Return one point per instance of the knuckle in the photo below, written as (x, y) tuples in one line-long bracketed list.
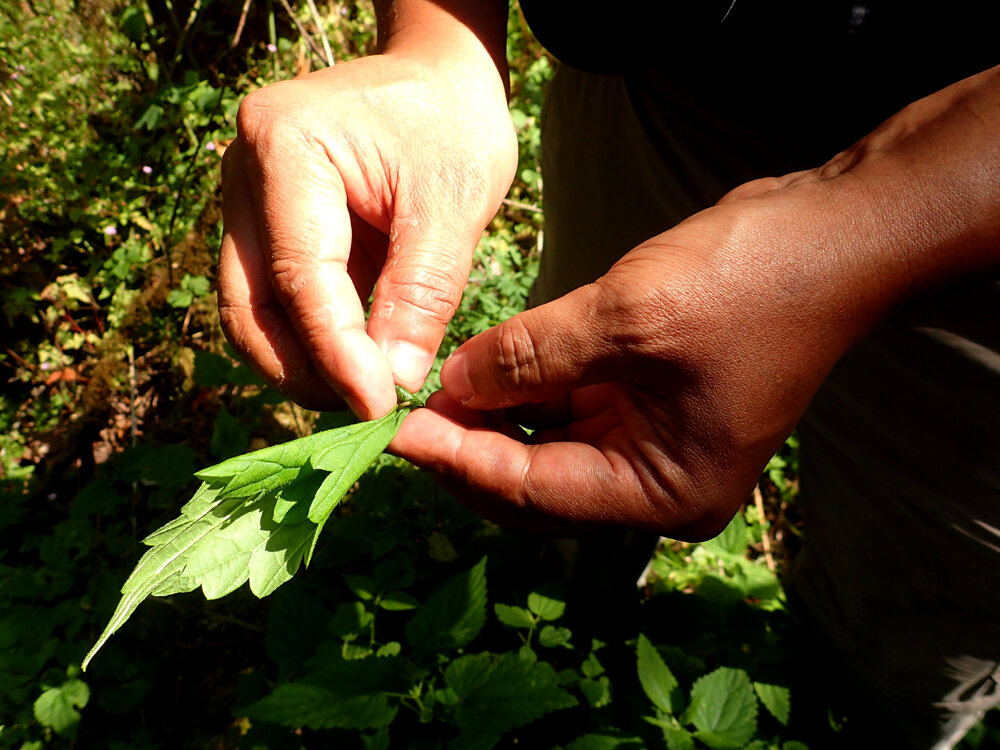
[(264, 112), (432, 292), (233, 321), (289, 274), (514, 353), (253, 113)]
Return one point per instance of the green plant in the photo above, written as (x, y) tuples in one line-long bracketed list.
[(255, 517)]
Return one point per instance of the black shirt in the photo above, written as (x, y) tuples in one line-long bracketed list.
[(835, 68)]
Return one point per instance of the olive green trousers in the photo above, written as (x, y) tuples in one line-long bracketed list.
[(900, 456)]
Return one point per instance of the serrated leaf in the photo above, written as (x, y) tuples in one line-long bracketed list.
[(349, 459), (675, 736), (247, 521), (597, 692), (776, 699), (299, 704), (348, 694), (723, 709), (514, 617), (160, 568), (551, 636), (546, 607), (591, 666), (453, 614), (496, 694), (657, 681), (732, 541)]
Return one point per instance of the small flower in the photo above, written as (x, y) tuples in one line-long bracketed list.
[(53, 496), (14, 76), (111, 230), (210, 146), (272, 48), (45, 365), (21, 68), (146, 169)]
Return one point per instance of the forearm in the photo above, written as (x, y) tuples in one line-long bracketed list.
[(448, 33), (930, 177)]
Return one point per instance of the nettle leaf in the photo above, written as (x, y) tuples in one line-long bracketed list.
[(723, 709), (453, 614), (298, 704), (597, 692), (498, 693), (657, 681), (514, 617), (776, 699), (342, 693), (546, 607), (732, 541), (675, 736), (551, 636), (256, 517), (349, 457)]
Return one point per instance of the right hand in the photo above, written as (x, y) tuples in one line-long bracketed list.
[(380, 173)]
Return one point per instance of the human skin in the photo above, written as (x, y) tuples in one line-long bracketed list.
[(657, 394), (386, 169)]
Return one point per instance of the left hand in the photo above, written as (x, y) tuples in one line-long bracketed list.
[(658, 393)]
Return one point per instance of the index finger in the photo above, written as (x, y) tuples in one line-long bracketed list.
[(572, 483), (305, 226)]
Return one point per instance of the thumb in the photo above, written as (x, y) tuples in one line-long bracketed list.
[(417, 294), (537, 355)]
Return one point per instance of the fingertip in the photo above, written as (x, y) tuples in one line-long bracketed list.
[(373, 404), (443, 403), (455, 377), (409, 364)]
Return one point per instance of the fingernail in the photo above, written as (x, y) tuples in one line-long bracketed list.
[(455, 378), (409, 363)]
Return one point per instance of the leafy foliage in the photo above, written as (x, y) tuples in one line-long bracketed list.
[(255, 517), (118, 386)]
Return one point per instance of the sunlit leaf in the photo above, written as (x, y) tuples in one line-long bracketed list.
[(249, 521)]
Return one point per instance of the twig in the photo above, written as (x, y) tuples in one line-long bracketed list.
[(133, 395), (758, 500), (522, 206), (241, 24), (302, 30), (322, 32), (272, 37), (192, 19)]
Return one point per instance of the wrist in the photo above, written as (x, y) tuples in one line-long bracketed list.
[(456, 38), (930, 184)]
